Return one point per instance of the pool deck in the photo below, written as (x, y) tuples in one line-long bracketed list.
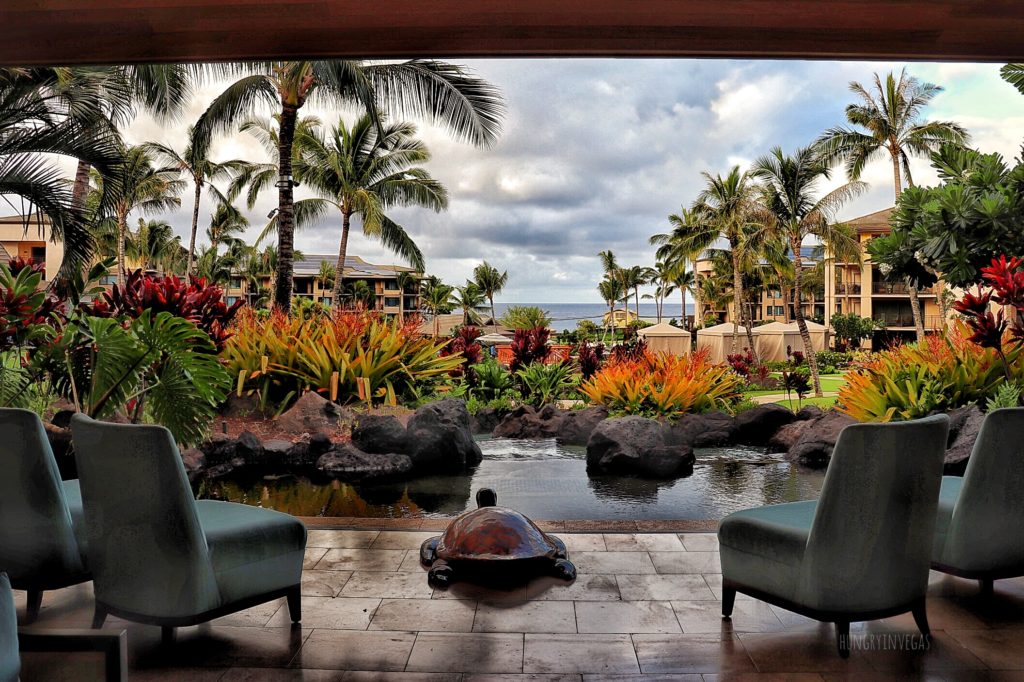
[(644, 607)]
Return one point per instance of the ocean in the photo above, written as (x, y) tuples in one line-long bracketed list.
[(566, 315)]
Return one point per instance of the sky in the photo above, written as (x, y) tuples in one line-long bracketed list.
[(596, 153)]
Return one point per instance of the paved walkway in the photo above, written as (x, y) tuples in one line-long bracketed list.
[(644, 607), (776, 397)]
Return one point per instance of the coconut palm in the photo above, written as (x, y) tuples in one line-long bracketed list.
[(471, 300), (490, 282), (676, 251), (724, 210), (443, 93), (328, 276), (438, 299), (195, 162), (610, 289), (136, 185), (43, 115), (890, 112), (793, 212), (225, 223), (154, 246), (364, 170)]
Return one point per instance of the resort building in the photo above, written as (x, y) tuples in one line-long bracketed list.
[(28, 237), (774, 304), (860, 288), (394, 289)]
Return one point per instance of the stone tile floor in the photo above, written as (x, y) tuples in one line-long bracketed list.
[(644, 607)]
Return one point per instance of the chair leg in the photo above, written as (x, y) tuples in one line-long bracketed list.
[(167, 635), (35, 602), (843, 639), (987, 586), (295, 603), (921, 618), (728, 600), (98, 616)]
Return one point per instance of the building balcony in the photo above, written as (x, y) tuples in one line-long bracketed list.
[(906, 321), (897, 289), (847, 289)]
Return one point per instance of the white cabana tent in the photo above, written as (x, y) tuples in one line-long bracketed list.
[(718, 340), (773, 339), (493, 340), (664, 338)]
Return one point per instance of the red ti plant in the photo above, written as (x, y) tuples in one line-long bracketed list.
[(464, 341), (589, 358), (196, 301), (529, 346), (1005, 278)]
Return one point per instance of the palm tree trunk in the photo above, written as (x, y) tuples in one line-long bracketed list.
[(340, 267), (915, 309), (195, 227), (285, 212), (737, 295), (81, 187), (798, 313), (682, 308), (122, 231), (494, 320), (636, 295)]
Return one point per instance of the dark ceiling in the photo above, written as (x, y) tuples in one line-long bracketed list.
[(114, 31)]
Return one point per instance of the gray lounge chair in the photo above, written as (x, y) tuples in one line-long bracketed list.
[(860, 552), (13, 640), (979, 532), (157, 555), (42, 534)]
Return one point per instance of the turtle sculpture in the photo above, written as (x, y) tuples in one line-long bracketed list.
[(494, 544)]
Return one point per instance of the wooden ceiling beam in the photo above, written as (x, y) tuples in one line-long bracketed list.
[(51, 32)]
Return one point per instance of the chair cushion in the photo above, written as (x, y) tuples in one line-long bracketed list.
[(948, 494), (252, 550), (762, 548), (73, 495)]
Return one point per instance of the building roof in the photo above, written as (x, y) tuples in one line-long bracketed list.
[(662, 329), (355, 267), (873, 222)]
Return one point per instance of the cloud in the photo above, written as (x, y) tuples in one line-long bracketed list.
[(596, 153)]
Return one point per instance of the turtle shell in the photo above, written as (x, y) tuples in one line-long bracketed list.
[(492, 533)]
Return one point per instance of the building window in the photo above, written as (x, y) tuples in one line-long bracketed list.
[(326, 300), (232, 300), (391, 285), (779, 311), (108, 279), (236, 283), (392, 302)]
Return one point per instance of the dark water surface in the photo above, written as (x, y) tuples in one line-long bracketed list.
[(544, 480)]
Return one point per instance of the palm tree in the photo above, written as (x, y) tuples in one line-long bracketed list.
[(364, 170), (196, 163), (611, 291), (490, 282), (444, 93), (891, 114), (684, 281), (154, 246), (437, 298), (137, 185), (43, 114), (724, 210), (633, 278), (225, 223), (470, 299), (406, 281), (328, 276), (792, 213)]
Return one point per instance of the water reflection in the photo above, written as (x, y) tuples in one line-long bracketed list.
[(546, 481)]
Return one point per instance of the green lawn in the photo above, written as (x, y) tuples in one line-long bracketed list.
[(830, 383), (823, 403)]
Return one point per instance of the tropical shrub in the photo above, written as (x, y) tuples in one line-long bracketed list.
[(529, 346), (1007, 395), (741, 363), (351, 355), (24, 307), (544, 384), (635, 349), (493, 382), (589, 357), (463, 342), (850, 328), (526, 317), (837, 359), (196, 301), (661, 385), (941, 373)]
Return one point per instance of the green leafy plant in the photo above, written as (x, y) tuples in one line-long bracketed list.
[(494, 382), (850, 328), (544, 384), (526, 317), (1007, 395)]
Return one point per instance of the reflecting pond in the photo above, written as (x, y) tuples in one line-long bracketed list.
[(544, 480)]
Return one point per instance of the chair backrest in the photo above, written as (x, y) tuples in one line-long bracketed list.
[(147, 550), (988, 518), (870, 543), (37, 540), (10, 663)]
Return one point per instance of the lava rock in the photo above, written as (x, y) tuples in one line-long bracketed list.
[(225, 468), (249, 448), (637, 446), (440, 436), (577, 426), (345, 461), (194, 461), (787, 436), (818, 440), (312, 412), (239, 406), (710, 429), (379, 434), (527, 422), (219, 448), (809, 412), (757, 425), (965, 424), (487, 419)]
